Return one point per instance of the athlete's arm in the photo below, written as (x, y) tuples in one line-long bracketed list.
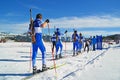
[(45, 23)]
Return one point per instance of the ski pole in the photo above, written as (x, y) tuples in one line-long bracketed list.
[(54, 28), (65, 39), (31, 46), (52, 53), (30, 59)]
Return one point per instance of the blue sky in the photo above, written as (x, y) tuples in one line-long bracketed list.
[(90, 17)]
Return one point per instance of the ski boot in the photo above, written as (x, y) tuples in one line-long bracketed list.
[(56, 56), (44, 68), (77, 53), (34, 70), (60, 56), (73, 53)]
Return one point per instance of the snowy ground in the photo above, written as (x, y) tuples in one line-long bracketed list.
[(95, 65)]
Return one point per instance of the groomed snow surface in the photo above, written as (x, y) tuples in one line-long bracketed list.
[(103, 64)]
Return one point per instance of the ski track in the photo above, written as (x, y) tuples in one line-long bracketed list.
[(17, 55), (80, 62)]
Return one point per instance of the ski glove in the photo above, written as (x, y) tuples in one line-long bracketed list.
[(47, 20), (65, 31)]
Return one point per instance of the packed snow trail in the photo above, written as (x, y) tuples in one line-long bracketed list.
[(74, 64), (89, 62), (50, 68), (15, 58)]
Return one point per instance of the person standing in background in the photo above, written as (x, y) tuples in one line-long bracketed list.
[(75, 38), (80, 42), (59, 44), (53, 39), (94, 42)]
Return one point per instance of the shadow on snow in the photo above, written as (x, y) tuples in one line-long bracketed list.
[(15, 74), (12, 60)]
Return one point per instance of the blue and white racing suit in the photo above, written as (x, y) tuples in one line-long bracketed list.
[(80, 43), (39, 43), (75, 43), (59, 43)]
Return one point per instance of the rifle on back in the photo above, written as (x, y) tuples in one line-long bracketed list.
[(31, 28)]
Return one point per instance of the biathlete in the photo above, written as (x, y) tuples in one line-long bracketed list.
[(38, 24), (75, 38), (59, 44), (80, 42), (53, 40)]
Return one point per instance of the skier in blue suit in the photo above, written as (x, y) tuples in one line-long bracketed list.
[(38, 25), (58, 44), (53, 39), (75, 38), (94, 41), (80, 42)]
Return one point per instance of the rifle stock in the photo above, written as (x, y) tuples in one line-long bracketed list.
[(31, 28)]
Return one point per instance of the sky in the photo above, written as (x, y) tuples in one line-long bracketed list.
[(90, 17)]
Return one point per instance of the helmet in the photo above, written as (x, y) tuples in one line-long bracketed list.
[(80, 33), (39, 15), (57, 29), (75, 31)]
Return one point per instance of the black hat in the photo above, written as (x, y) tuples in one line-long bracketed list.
[(75, 31), (39, 15)]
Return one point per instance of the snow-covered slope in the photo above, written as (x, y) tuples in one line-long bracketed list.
[(96, 65)]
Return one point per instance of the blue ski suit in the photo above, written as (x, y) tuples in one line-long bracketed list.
[(94, 41), (53, 39), (58, 42), (38, 44), (80, 43), (75, 42)]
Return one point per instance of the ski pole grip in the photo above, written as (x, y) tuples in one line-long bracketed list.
[(65, 31)]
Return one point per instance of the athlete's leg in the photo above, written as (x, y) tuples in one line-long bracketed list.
[(73, 48), (57, 47), (61, 47), (34, 54), (77, 47)]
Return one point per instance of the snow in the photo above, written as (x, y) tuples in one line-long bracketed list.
[(95, 65)]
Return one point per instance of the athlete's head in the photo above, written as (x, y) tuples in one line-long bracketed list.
[(75, 31), (57, 29), (80, 34), (39, 16)]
